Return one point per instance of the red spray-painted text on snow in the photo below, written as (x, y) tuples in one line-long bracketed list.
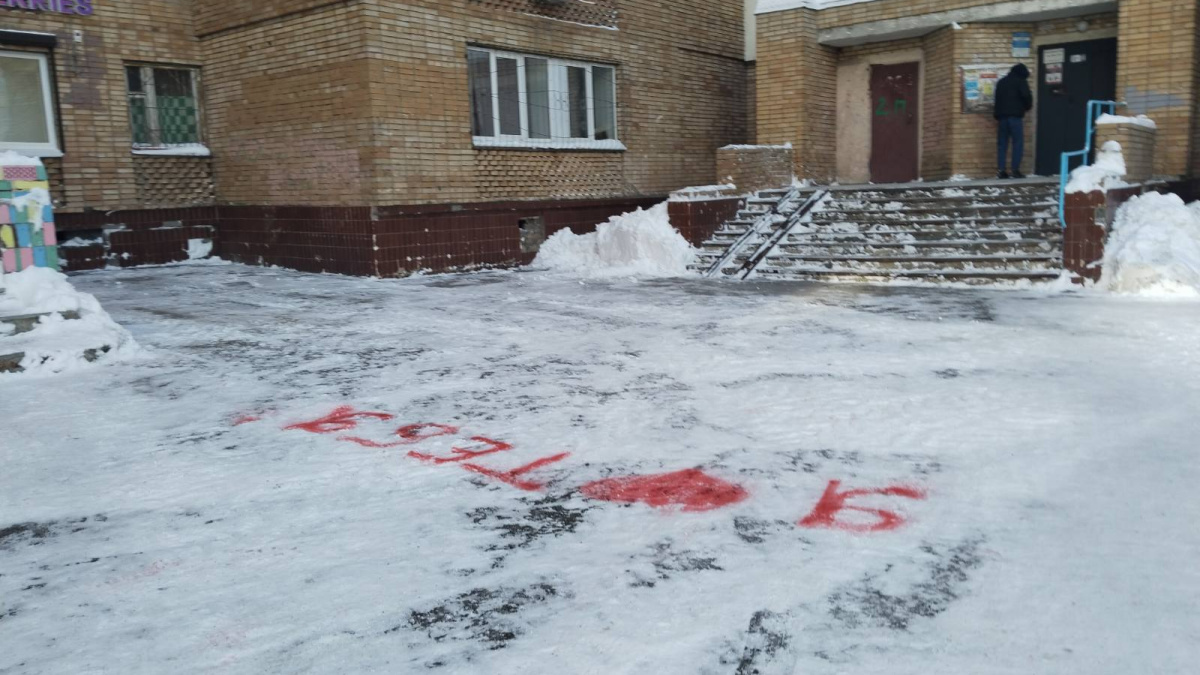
[(689, 490)]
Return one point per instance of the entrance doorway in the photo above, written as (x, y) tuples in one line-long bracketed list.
[(1069, 75), (895, 129)]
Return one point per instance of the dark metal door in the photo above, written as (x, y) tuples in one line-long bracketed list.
[(1068, 76), (894, 123)]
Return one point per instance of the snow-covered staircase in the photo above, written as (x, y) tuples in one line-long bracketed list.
[(973, 232)]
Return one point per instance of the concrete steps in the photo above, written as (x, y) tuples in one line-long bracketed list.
[(974, 232)]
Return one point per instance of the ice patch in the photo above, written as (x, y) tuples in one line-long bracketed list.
[(640, 243), (1154, 247), (1104, 175)]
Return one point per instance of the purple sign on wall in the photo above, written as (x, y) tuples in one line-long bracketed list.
[(81, 7)]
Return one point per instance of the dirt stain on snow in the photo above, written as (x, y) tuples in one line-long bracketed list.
[(865, 604), (485, 615)]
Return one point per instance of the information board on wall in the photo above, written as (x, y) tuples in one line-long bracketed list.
[(979, 87)]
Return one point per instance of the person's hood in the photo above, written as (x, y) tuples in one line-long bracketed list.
[(1020, 71)]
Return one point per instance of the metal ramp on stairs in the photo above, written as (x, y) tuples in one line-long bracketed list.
[(974, 232), (740, 244)]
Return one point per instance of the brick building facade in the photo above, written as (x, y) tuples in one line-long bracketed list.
[(816, 58), (353, 136)]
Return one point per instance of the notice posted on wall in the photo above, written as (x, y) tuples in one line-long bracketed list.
[(979, 87)]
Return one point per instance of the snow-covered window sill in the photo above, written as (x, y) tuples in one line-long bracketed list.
[(32, 152), (195, 150), (564, 144)]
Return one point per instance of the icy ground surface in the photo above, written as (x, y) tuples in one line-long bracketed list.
[(1026, 470)]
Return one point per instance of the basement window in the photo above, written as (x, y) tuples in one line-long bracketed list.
[(526, 101), (26, 108), (164, 110)]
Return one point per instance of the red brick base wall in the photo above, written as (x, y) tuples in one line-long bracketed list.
[(362, 241), (1089, 217), (697, 220), (150, 237)]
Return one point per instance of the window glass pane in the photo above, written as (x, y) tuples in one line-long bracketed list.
[(22, 97), (172, 82), (479, 67), (178, 114), (604, 93), (510, 96), (139, 121), (133, 76), (577, 101), (537, 82)]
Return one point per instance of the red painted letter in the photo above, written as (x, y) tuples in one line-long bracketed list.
[(410, 434), (463, 454), (832, 502), (341, 419), (691, 489), (510, 477)]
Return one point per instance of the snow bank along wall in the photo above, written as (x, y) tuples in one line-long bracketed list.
[(813, 77), (27, 232), (319, 135)]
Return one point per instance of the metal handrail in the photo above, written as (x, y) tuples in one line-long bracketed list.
[(1094, 111)]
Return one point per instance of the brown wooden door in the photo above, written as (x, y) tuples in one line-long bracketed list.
[(894, 130)]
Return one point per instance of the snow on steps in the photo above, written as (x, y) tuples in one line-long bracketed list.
[(973, 232), (24, 323)]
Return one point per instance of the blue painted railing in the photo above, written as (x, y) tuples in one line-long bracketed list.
[(1095, 109)]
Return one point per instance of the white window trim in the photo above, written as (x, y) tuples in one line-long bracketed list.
[(560, 114), (50, 149), (197, 149)]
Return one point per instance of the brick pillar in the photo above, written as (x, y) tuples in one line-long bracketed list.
[(27, 234), (1156, 75), (1089, 217), (796, 85), (755, 167), (697, 219), (1137, 146)]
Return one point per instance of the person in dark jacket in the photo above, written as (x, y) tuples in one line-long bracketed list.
[(1013, 100)]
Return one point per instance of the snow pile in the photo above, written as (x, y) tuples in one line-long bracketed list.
[(640, 243), (10, 158), (1154, 247), (1140, 120), (56, 343), (1105, 174)]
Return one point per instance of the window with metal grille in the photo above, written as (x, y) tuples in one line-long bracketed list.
[(164, 110)]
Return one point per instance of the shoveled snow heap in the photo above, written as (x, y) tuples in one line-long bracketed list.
[(57, 344), (1154, 247), (640, 243), (1105, 174)]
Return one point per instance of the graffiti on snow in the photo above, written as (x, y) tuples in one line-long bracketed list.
[(690, 490)]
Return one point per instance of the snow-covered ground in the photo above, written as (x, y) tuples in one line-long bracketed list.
[(668, 477)]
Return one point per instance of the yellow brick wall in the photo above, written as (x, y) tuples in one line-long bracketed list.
[(1157, 77), (97, 169), (796, 87), (940, 92), (681, 86), (288, 108), (793, 72), (1138, 145), (973, 135)]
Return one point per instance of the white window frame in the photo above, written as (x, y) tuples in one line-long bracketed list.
[(197, 149), (560, 114), (50, 149)]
